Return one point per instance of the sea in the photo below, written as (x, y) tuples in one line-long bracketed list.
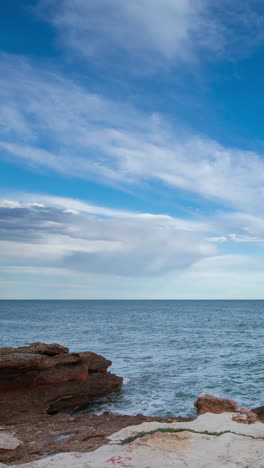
[(167, 351)]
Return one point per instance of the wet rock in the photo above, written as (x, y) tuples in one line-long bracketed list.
[(47, 378)]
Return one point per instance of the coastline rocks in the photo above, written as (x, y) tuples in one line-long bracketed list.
[(46, 378), (89, 440), (52, 349), (244, 416), (259, 412), (207, 403), (44, 435), (210, 441)]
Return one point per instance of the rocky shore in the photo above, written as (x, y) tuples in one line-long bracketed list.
[(46, 378), (41, 384)]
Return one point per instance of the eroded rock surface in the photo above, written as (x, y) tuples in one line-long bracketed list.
[(259, 412), (207, 403), (47, 378), (212, 440), (64, 432), (10, 446)]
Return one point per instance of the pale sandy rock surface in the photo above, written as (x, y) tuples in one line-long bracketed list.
[(9, 446), (242, 446), (8, 441)]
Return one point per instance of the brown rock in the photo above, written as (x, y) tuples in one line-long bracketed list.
[(62, 432), (259, 412), (207, 403), (244, 416), (49, 349), (47, 378)]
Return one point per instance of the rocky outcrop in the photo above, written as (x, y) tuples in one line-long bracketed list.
[(88, 440), (207, 403), (47, 378), (259, 412), (210, 441), (64, 432)]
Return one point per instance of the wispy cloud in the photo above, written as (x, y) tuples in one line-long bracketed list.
[(156, 32), (69, 130), (57, 123)]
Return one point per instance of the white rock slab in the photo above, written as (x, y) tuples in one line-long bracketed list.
[(242, 447), (206, 422), (8, 441)]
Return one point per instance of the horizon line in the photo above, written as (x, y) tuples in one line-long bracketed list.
[(118, 299)]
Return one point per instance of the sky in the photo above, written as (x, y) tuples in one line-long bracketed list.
[(131, 149)]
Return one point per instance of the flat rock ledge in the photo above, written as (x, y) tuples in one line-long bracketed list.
[(210, 441), (47, 378)]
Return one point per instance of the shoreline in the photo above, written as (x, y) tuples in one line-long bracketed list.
[(44, 435), (42, 384)]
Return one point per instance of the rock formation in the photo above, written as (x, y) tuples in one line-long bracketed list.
[(39, 380), (210, 441), (259, 412), (207, 403), (47, 378)]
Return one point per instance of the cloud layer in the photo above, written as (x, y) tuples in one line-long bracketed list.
[(53, 234), (64, 248), (49, 122), (156, 32), (58, 123)]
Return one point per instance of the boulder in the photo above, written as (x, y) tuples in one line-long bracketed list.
[(259, 412), (207, 403), (46, 378)]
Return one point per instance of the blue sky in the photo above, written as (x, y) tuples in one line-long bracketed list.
[(131, 149)]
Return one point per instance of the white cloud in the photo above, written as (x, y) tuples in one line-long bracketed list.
[(227, 276), (63, 248), (80, 134), (217, 239), (155, 32), (239, 227), (45, 235)]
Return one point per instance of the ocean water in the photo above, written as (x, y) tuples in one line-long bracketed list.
[(167, 351)]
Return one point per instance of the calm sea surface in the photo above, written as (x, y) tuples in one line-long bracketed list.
[(167, 351)]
